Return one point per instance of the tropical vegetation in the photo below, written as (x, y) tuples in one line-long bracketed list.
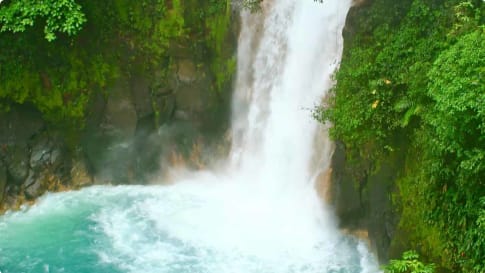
[(58, 54), (412, 86)]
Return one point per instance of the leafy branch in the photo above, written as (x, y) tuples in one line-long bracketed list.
[(409, 264), (64, 16)]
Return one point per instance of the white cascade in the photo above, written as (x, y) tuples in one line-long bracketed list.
[(258, 213)]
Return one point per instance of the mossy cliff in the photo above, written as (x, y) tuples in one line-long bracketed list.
[(139, 80), (408, 114), (98, 91)]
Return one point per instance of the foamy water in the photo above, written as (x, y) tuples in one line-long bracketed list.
[(259, 213)]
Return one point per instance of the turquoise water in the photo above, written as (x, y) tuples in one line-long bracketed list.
[(159, 229), (259, 213), (58, 235)]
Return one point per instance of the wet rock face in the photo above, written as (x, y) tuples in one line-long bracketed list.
[(142, 118), (24, 153), (131, 129), (47, 164), (32, 164), (362, 200), (17, 127), (107, 141)]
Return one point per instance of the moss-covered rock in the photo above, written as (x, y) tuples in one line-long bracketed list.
[(137, 84)]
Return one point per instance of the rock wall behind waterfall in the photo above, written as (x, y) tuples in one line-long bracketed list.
[(142, 122)]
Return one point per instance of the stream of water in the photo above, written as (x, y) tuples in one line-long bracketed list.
[(259, 212)]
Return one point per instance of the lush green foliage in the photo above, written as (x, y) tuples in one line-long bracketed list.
[(409, 264), (63, 16), (114, 38), (412, 81), (456, 144), (218, 25)]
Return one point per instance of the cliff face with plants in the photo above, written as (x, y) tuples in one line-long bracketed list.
[(408, 112), (96, 92)]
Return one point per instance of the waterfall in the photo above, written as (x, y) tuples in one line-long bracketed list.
[(260, 213), (287, 56)]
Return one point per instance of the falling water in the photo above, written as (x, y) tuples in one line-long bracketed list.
[(261, 213)]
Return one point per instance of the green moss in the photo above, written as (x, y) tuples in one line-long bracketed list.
[(223, 63), (120, 38), (417, 88)]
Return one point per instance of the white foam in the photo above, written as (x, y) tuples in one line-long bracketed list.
[(261, 212)]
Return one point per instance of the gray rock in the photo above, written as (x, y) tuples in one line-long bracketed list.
[(33, 190), (40, 153), (46, 152), (18, 163)]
